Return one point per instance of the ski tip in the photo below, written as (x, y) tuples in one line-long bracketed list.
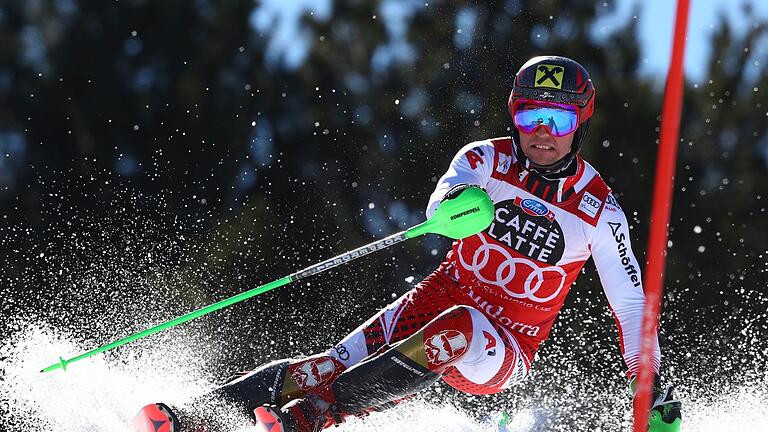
[(155, 418), (268, 419)]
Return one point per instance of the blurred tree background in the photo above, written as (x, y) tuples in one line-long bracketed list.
[(199, 148)]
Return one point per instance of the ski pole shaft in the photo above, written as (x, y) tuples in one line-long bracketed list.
[(63, 363), (351, 255), (309, 271), (467, 214)]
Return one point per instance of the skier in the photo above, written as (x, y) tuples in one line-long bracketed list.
[(478, 319)]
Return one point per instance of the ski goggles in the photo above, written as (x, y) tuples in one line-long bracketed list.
[(558, 119)]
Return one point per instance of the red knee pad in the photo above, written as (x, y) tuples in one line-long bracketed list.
[(447, 338), (316, 372)]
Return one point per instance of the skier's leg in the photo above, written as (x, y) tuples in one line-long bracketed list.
[(396, 323), (412, 364), (404, 369), (281, 381), (401, 370), (275, 383), (295, 377), (491, 362)]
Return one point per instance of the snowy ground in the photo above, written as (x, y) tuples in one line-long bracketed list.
[(101, 393)]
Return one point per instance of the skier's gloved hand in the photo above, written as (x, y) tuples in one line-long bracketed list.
[(665, 415), (457, 190)]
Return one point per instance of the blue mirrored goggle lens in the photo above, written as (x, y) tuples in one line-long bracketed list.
[(560, 122)]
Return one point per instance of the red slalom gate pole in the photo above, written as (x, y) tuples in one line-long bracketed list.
[(660, 213)]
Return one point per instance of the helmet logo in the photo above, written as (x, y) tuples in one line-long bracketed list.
[(549, 76), (547, 96)]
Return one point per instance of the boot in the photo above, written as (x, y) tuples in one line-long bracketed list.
[(308, 414), (155, 418), (159, 417)]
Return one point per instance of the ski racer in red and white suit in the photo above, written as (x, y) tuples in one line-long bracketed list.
[(478, 319), (516, 274), (519, 270)]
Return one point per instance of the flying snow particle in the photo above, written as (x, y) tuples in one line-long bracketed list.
[(371, 206), (697, 229), (522, 421), (702, 248)]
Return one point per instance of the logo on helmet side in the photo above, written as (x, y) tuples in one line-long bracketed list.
[(549, 76)]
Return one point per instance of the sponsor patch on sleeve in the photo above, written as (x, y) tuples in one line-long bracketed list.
[(611, 201), (473, 158), (590, 204), (505, 161)]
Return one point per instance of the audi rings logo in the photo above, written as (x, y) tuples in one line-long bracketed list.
[(519, 277)]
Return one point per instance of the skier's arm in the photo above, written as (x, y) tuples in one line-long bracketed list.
[(620, 276), (472, 165)]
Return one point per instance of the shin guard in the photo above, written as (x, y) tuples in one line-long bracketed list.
[(380, 380), (407, 368), (257, 387)]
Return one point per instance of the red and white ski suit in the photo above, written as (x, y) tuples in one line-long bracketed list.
[(515, 275)]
